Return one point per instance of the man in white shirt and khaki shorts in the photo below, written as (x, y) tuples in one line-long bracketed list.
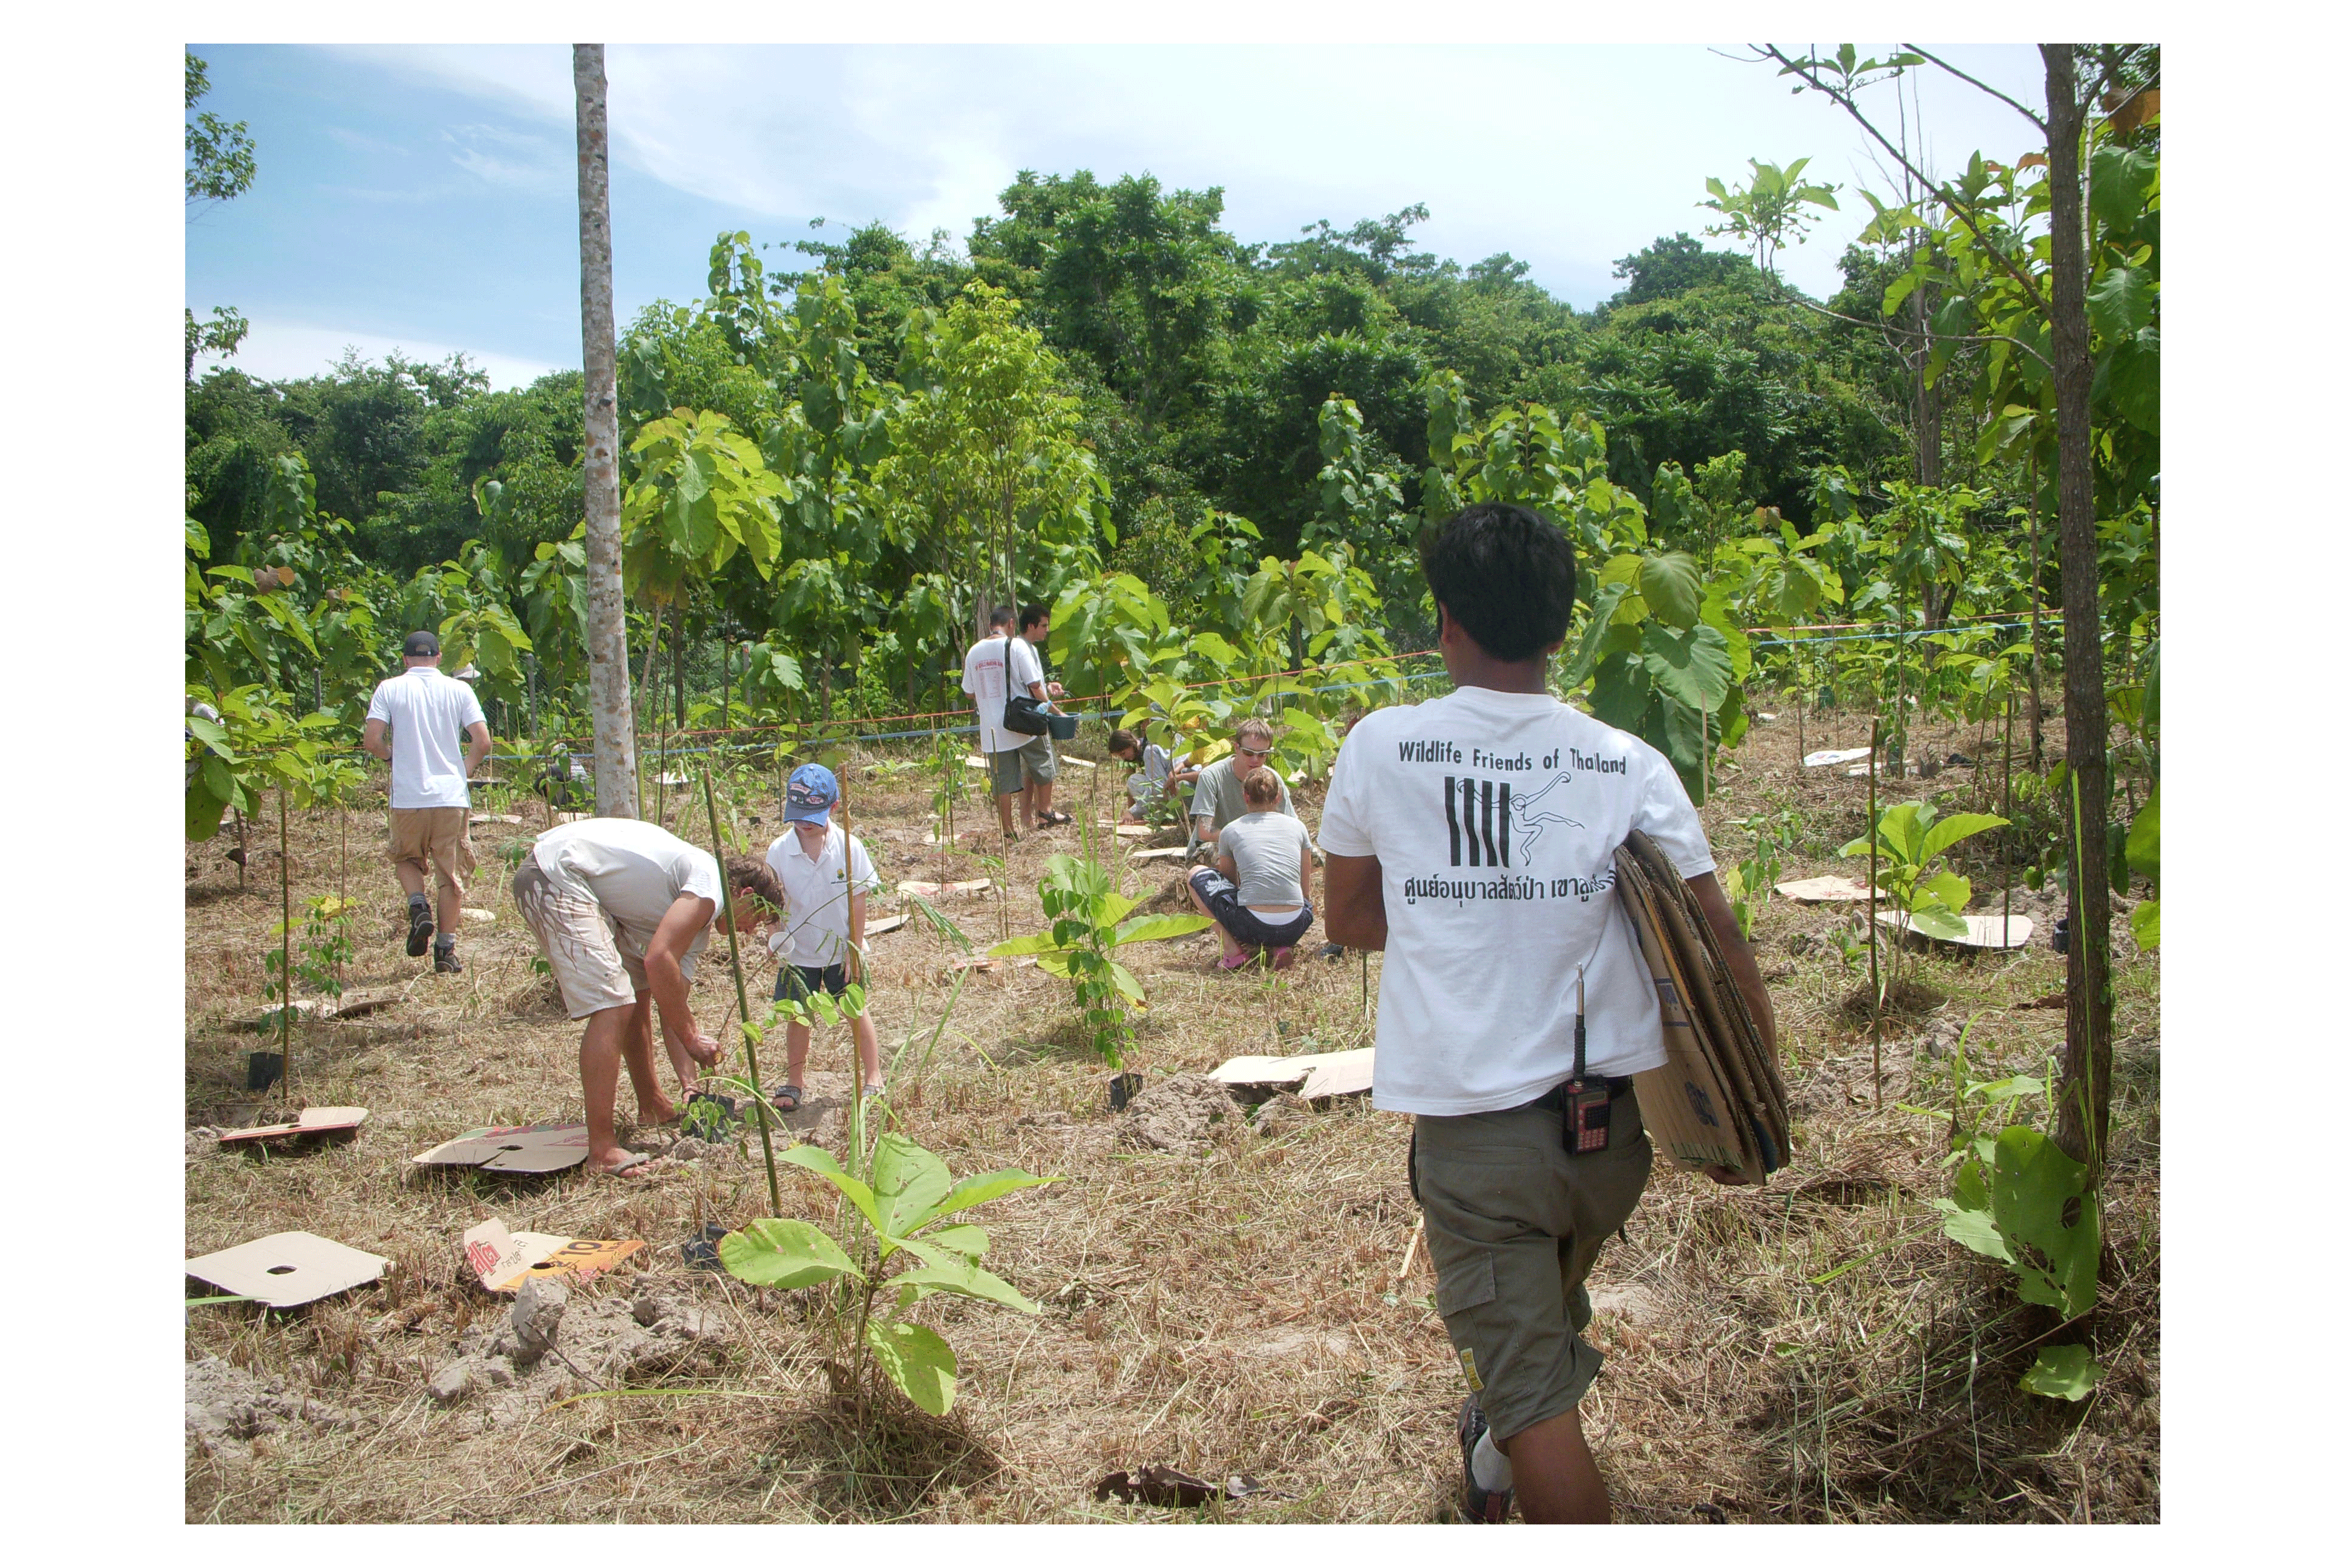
[(418, 722), (622, 910), (1470, 838)]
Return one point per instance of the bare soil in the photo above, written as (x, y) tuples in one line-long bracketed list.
[(1221, 1284)]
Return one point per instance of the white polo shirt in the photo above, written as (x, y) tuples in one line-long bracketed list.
[(1494, 815), (815, 926), (427, 713), (984, 675)]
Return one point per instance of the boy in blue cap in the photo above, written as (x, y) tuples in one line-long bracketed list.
[(824, 876)]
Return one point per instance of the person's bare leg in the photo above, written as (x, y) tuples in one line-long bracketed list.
[(597, 1067), (652, 1107), (451, 909), (1000, 804), (866, 1041), (1230, 946), (1025, 799), (412, 878), (800, 1042), (1556, 1480)]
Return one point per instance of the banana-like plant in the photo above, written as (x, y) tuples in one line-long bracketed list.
[(1087, 929)]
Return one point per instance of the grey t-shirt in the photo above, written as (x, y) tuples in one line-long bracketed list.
[(1219, 795), (1269, 849)]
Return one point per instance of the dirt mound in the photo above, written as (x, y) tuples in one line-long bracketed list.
[(227, 1407), (555, 1342), (1180, 1114)]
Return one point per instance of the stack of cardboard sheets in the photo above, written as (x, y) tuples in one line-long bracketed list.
[(1720, 1100)]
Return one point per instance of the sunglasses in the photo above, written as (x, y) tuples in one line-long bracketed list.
[(1251, 752)]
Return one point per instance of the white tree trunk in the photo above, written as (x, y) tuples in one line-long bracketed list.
[(606, 598)]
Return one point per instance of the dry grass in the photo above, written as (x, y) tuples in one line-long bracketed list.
[(1233, 1309)]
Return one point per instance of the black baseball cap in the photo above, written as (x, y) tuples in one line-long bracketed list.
[(422, 645)]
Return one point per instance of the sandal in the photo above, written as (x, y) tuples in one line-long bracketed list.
[(787, 1098), (622, 1167), (1237, 960), (1055, 819)]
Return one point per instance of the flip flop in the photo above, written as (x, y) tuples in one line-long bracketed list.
[(1055, 819), (1280, 957), (623, 1166), (790, 1092), (1241, 959)]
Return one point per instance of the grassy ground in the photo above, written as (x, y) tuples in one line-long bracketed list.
[(1811, 1350)]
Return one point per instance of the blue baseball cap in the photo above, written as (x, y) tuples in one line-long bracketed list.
[(813, 790)]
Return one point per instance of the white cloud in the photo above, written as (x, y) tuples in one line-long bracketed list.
[(285, 351), (1567, 157), (504, 157)]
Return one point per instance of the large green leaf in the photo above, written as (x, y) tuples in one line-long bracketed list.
[(968, 1241), (1940, 923), (950, 1271), (1950, 830), (1020, 947), (2144, 844), (2061, 1371), (1670, 584), (786, 1253), (2122, 302), (818, 1160), (974, 1189), (2032, 1181), (1973, 1228), (910, 1183), (1695, 666), (1112, 907), (918, 1361), (2147, 924), (2120, 177), (1159, 927)]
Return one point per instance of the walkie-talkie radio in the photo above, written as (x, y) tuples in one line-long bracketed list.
[(1585, 1107)]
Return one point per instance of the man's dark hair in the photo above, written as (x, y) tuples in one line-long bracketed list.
[(1507, 576), (1034, 614), (1001, 616), (1122, 741), (745, 874)]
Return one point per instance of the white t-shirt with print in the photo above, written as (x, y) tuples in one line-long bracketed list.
[(636, 871), (1025, 670), (427, 713), (814, 928), (1494, 815), (984, 675)]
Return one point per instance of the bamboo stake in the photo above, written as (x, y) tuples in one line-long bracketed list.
[(1878, 997), (2009, 703), (284, 975), (740, 995)]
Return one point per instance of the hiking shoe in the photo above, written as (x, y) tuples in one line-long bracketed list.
[(1480, 1506), (446, 962), (419, 930)]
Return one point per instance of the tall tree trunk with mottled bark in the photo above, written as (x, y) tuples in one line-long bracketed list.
[(2090, 1053), (606, 598)]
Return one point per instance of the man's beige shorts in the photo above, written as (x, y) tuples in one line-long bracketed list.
[(580, 941), (442, 834), (1514, 1223)]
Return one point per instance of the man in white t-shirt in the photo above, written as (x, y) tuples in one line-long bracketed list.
[(826, 879), (622, 910), (1031, 667), (1470, 838), (428, 717), (990, 671)]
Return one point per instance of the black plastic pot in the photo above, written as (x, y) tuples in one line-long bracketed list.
[(1123, 1088), (699, 1247), (263, 1068), (2058, 936)]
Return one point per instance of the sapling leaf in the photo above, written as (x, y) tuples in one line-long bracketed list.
[(2147, 924), (818, 1160), (916, 1360), (785, 1253), (1944, 834), (948, 1270), (968, 1241), (2061, 1371), (1019, 947), (1159, 927), (909, 1182), (974, 1189)]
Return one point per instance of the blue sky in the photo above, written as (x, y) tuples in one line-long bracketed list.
[(424, 197)]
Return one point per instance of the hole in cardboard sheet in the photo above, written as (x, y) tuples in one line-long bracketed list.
[(282, 1269)]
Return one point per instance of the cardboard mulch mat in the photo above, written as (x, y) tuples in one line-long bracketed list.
[(1720, 1100)]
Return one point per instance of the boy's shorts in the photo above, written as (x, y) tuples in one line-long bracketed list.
[(796, 982), (441, 835), (1514, 1223), (1035, 763)]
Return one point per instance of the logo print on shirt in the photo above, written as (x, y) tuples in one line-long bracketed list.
[(1482, 816)]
